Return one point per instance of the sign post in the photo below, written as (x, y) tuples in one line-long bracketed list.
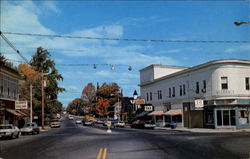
[(109, 125)]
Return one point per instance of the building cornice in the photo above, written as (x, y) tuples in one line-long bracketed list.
[(198, 67)]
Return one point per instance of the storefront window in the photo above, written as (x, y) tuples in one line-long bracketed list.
[(232, 117), (219, 121), (226, 117), (243, 117)]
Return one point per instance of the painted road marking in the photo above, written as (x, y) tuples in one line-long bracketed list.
[(102, 154)]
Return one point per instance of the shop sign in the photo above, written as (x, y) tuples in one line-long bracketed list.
[(21, 105), (198, 103)]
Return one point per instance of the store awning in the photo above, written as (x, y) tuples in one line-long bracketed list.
[(12, 111), (156, 113), (174, 112), (142, 114), (22, 113)]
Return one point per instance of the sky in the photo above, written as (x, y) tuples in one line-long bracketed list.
[(146, 20)]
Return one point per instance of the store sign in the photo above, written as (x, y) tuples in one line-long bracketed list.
[(148, 108), (21, 105), (199, 103)]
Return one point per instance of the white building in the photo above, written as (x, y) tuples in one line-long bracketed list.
[(221, 86)]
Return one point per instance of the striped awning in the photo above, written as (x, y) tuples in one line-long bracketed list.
[(14, 112), (173, 112), (156, 113)]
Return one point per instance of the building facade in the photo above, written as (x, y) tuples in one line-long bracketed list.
[(215, 94), (9, 82)]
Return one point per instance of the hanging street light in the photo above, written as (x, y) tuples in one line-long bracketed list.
[(238, 23)]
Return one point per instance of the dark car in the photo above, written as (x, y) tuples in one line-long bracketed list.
[(30, 128), (143, 124)]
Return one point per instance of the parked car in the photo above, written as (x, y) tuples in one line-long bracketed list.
[(9, 130), (119, 124), (70, 117), (112, 122), (143, 124), (88, 123), (55, 123), (78, 121), (30, 128)]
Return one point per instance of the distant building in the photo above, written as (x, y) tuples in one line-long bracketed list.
[(215, 94), (9, 82)]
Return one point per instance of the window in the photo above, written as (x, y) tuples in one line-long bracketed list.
[(160, 94), (184, 90), (219, 120), (173, 95), (151, 96), (169, 92), (197, 88), (147, 96), (180, 90), (226, 118), (247, 83), (224, 83), (204, 86)]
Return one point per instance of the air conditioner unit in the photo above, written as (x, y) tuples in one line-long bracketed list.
[(203, 90)]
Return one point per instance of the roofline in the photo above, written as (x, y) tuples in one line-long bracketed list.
[(159, 65), (200, 66)]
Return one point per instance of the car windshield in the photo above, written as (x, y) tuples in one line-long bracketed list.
[(5, 127)]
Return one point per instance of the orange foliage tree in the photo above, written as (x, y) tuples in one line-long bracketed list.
[(102, 107)]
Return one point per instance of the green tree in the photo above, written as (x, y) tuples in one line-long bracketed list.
[(41, 62)]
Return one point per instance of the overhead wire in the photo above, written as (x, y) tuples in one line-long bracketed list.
[(125, 39), (13, 47)]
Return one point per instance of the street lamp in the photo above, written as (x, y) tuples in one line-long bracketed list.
[(238, 23)]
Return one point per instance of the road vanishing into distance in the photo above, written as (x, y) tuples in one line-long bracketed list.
[(73, 141)]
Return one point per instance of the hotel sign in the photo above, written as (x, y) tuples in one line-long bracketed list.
[(148, 108), (21, 105)]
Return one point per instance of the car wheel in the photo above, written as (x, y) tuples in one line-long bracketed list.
[(33, 132), (12, 136), (38, 131), (17, 135)]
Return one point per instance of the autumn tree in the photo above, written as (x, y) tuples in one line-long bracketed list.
[(78, 107), (102, 107)]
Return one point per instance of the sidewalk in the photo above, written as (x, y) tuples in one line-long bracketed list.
[(204, 130), (46, 128)]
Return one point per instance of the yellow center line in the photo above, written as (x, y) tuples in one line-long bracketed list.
[(104, 153), (99, 154)]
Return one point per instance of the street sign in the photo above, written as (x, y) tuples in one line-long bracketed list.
[(148, 108), (21, 105)]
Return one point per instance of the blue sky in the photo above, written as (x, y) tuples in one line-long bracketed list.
[(160, 20)]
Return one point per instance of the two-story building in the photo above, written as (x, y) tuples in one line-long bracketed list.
[(215, 94), (9, 82)]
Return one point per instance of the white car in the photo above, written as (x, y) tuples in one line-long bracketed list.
[(9, 130), (70, 117), (30, 128), (78, 121), (119, 124)]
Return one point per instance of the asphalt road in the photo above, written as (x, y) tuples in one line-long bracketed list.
[(73, 141)]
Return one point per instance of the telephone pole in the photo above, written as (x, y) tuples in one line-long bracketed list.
[(31, 108), (42, 102)]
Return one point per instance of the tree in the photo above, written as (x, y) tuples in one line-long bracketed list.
[(78, 107), (89, 92), (41, 62), (102, 107)]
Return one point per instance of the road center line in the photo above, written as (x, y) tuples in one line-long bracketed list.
[(99, 154), (104, 153)]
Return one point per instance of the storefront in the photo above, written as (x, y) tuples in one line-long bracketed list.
[(236, 117)]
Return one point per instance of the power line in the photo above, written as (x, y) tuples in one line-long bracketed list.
[(123, 39), (13, 47)]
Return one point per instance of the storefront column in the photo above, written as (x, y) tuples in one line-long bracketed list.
[(163, 120)]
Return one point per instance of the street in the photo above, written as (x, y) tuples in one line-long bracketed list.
[(73, 141)]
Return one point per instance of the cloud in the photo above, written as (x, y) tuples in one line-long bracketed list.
[(50, 5), (237, 49), (141, 20)]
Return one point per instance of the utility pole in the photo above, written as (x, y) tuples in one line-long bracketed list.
[(31, 103), (42, 102)]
